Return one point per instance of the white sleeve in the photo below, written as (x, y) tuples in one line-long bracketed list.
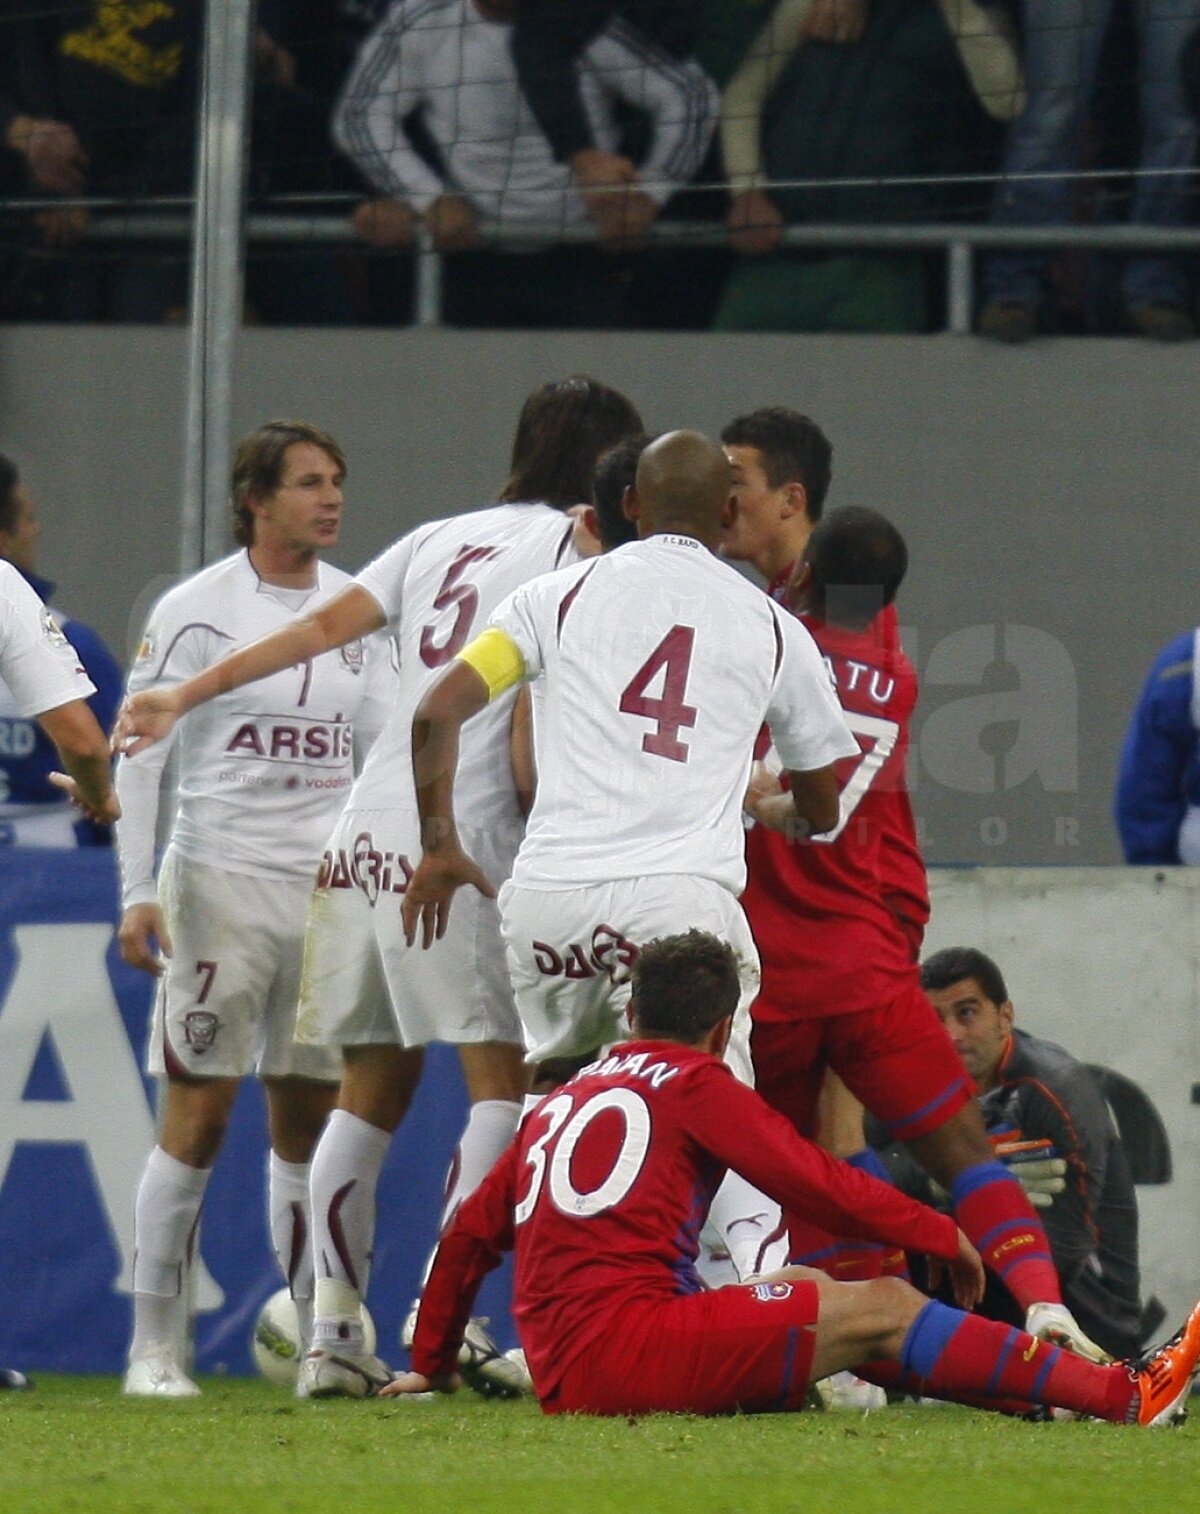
[(746, 93), (680, 98), (169, 652), (518, 617), (138, 782), (37, 662), (383, 577), (368, 122), (805, 719), (379, 696)]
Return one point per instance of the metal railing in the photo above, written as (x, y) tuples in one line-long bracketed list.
[(957, 240)]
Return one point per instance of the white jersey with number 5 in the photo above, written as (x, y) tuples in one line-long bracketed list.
[(438, 587), (656, 667)]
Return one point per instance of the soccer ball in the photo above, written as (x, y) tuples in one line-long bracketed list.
[(276, 1344)]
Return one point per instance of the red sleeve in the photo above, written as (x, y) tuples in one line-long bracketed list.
[(736, 1126), (479, 1235)]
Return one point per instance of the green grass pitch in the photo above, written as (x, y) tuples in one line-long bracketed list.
[(72, 1444)]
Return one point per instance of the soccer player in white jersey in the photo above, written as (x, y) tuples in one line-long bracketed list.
[(652, 671), (48, 683), (434, 588), (261, 775)]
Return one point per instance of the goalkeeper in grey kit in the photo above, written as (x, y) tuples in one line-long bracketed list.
[(1047, 1118)]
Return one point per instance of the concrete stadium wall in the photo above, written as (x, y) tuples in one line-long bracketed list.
[(1106, 962), (1048, 495)]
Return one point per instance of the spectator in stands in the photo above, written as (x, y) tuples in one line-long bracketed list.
[(1035, 1095), (451, 61), (33, 812), (1062, 46), (853, 89), (100, 100), (549, 40), (1158, 784)]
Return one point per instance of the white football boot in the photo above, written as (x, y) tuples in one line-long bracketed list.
[(484, 1367), (157, 1374), (1055, 1323)]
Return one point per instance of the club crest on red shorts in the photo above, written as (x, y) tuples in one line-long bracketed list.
[(765, 1292)]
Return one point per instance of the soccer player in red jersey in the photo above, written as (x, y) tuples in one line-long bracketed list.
[(841, 988), (602, 1195)]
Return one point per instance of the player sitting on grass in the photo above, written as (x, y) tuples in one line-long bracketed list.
[(602, 1194)]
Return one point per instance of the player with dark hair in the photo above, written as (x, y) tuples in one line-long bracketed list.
[(841, 988), (221, 927), (651, 670), (601, 1196), (259, 464), (782, 467), (363, 991), (613, 491), (1046, 1114)]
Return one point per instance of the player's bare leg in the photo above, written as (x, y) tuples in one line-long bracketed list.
[(497, 1078), (947, 1353), (195, 1118), (297, 1109), (991, 1206), (378, 1083)]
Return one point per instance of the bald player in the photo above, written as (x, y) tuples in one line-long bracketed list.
[(652, 669)]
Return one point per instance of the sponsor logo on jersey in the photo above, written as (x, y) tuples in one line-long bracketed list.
[(366, 867), (52, 631), (611, 955), (200, 1028), (768, 1292), (293, 743)]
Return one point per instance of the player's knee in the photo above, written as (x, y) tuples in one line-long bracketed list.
[(892, 1306)]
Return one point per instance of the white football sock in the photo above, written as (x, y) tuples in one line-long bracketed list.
[(490, 1127), (343, 1178), (167, 1209), (751, 1226), (291, 1234)]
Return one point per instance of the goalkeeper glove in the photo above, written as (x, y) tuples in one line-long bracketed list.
[(1036, 1166)]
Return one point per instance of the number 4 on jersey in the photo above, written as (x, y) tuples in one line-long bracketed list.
[(673, 657)]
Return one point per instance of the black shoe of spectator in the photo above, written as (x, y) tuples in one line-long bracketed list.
[(1009, 321), (1162, 322)]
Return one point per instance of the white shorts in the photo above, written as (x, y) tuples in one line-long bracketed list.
[(226, 1004), (362, 984), (570, 952)]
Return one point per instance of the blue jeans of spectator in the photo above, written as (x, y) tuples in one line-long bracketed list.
[(1063, 39)]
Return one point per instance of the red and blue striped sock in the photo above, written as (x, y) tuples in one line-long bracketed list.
[(954, 1353), (990, 1205)]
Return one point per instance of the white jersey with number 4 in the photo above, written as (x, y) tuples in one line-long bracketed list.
[(263, 770), (438, 587), (656, 667)]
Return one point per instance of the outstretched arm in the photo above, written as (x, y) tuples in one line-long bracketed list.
[(149, 716)]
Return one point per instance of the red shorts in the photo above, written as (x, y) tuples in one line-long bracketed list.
[(897, 1061), (745, 1347)]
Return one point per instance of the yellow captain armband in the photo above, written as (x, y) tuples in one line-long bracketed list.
[(497, 659)]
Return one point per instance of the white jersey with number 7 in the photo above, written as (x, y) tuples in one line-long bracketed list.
[(653, 670)]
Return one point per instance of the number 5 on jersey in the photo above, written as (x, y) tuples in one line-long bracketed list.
[(673, 658)]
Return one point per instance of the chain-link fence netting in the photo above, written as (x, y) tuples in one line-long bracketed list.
[(646, 163)]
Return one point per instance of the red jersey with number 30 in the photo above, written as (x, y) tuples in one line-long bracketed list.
[(825, 913), (605, 1189)]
